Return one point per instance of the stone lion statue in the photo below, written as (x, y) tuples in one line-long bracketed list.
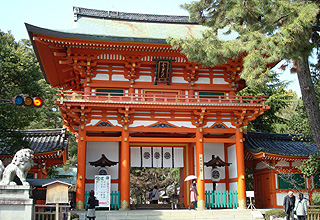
[(19, 166)]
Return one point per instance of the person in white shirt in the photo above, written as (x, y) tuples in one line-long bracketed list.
[(301, 209)]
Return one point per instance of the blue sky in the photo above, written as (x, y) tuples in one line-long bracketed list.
[(58, 14)]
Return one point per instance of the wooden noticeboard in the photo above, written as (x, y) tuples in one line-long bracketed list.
[(57, 192)]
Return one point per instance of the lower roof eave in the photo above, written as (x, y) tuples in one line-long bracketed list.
[(270, 156)]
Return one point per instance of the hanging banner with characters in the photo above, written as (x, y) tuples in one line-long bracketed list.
[(102, 188)]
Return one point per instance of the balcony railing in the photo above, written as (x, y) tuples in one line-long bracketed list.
[(137, 98)]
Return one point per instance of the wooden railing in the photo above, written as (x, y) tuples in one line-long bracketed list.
[(313, 213), (114, 200), (221, 199), (159, 98), (48, 212)]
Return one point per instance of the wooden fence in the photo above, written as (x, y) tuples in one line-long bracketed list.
[(48, 212), (114, 200), (221, 199), (313, 213)]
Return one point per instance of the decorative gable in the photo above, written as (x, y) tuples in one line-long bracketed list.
[(104, 124), (162, 125)]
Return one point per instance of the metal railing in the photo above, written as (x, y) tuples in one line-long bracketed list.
[(160, 98)]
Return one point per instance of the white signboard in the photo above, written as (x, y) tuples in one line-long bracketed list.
[(102, 188), (250, 194), (201, 165)]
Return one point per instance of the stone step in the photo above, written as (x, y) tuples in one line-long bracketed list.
[(171, 214)]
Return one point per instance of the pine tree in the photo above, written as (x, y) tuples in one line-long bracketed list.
[(266, 32)]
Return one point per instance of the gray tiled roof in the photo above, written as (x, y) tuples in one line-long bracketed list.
[(41, 182), (115, 15), (280, 144), (44, 140)]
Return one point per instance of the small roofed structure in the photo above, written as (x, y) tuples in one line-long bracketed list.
[(103, 162), (50, 147), (216, 162), (274, 159)]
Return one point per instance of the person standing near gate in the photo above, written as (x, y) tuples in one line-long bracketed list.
[(301, 209), (288, 205), (91, 215), (193, 194), (155, 195)]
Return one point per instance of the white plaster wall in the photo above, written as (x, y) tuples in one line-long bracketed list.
[(216, 149), (115, 123), (93, 122), (94, 151), (182, 124), (203, 80), (283, 164), (232, 158), (209, 124), (233, 186), (144, 79), (261, 166), (208, 186), (137, 123), (221, 187), (219, 81), (176, 79), (100, 76), (228, 124), (296, 163), (118, 77)]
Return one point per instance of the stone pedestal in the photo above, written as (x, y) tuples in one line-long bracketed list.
[(15, 202)]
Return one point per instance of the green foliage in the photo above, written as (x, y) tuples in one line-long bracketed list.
[(278, 98), (249, 179), (298, 120), (280, 213), (291, 181), (142, 180), (20, 74), (74, 216), (310, 167), (316, 198), (52, 173), (266, 31)]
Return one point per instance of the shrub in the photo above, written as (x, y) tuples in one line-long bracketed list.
[(74, 216), (316, 199), (280, 213)]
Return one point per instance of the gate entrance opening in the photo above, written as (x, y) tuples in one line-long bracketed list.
[(143, 180)]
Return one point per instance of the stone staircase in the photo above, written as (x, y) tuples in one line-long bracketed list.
[(180, 214), (151, 206)]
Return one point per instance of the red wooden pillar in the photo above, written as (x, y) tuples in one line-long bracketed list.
[(125, 169), (81, 168), (200, 170), (226, 159), (240, 169)]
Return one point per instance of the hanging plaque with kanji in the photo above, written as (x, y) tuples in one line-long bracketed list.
[(163, 71)]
